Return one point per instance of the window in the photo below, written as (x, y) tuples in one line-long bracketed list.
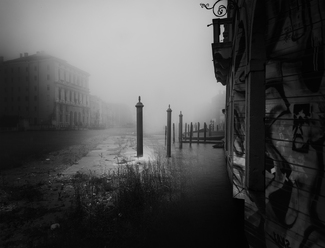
[(18, 98), (48, 87), (26, 98), (18, 107), (26, 79), (35, 68), (5, 100), (35, 88), (35, 108), (35, 78), (27, 108), (35, 98)]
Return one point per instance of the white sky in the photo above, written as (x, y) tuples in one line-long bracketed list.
[(158, 49)]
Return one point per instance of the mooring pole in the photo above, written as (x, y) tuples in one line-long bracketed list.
[(198, 132), (191, 134), (139, 107), (173, 133), (205, 132), (181, 130), (188, 130), (165, 135), (169, 133), (185, 130)]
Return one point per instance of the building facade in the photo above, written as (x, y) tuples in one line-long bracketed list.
[(271, 61), (101, 113), (95, 112), (41, 89)]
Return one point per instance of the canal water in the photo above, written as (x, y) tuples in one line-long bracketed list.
[(208, 215)]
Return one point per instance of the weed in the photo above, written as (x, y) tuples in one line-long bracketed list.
[(118, 208)]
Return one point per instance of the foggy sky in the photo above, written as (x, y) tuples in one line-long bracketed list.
[(157, 49)]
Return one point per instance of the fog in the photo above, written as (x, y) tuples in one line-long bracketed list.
[(159, 50)]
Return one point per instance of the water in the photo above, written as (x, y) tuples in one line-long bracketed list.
[(207, 215)]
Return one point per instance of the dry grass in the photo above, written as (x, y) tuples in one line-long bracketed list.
[(119, 208)]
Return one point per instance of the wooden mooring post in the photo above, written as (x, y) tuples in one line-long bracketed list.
[(169, 131), (191, 134), (188, 130), (198, 132), (165, 135), (205, 132), (139, 107), (173, 133), (180, 130)]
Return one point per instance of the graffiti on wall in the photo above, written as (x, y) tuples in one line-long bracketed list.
[(294, 200), (295, 124), (239, 149)]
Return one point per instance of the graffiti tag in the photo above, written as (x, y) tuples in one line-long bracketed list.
[(280, 241)]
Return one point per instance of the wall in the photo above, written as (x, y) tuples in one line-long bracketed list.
[(291, 212), (295, 115)]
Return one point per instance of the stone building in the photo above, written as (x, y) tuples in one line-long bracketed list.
[(40, 89), (95, 112), (100, 113)]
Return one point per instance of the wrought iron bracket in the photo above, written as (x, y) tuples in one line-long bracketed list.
[(221, 7)]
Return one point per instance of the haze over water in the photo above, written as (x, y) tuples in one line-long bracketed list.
[(159, 50)]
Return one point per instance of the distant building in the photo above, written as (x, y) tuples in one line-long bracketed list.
[(219, 104), (105, 115), (95, 112), (43, 90), (100, 113), (121, 115)]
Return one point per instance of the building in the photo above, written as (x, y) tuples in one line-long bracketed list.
[(218, 105), (41, 89), (106, 114), (95, 112), (271, 60), (100, 113)]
